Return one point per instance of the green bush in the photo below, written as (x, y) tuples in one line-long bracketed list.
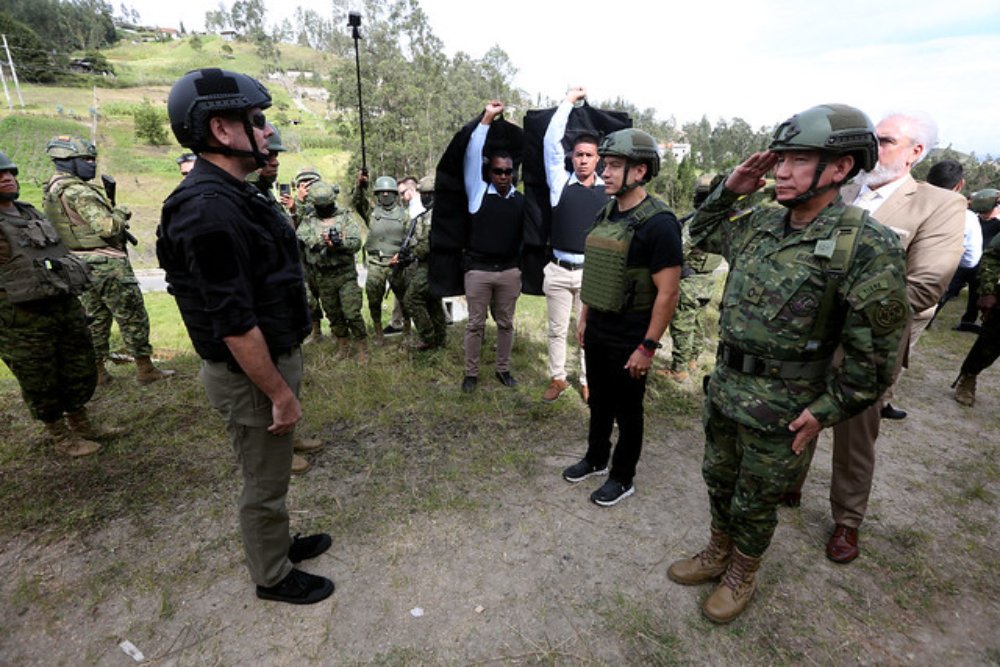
[(149, 122)]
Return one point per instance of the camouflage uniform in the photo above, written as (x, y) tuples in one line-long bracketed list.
[(776, 348), (335, 271), (696, 288), (379, 251), (44, 341), (986, 349), (423, 307), (95, 230)]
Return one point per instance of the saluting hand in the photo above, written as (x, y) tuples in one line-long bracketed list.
[(749, 176)]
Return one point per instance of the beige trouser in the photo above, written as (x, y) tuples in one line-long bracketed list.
[(561, 287), (265, 461), (502, 289)]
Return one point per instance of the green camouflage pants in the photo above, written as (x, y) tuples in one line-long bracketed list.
[(378, 275), (425, 309), (46, 345), (115, 295), (746, 471), (687, 330), (312, 292), (341, 296)]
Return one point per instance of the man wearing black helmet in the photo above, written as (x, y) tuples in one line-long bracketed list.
[(802, 283), (631, 276), (232, 263)]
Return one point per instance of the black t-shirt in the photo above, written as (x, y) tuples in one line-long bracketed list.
[(656, 244)]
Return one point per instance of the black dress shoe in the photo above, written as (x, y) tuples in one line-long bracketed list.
[(469, 383), (969, 327), (506, 379), (304, 548), (889, 412), (298, 588)]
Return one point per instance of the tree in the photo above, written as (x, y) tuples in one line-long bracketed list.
[(149, 123), (33, 63), (197, 43)]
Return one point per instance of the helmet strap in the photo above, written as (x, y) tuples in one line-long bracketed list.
[(258, 157), (814, 189)]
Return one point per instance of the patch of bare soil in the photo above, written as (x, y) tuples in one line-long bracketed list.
[(535, 573)]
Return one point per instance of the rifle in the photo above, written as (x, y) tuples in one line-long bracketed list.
[(110, 189), (405, 256)]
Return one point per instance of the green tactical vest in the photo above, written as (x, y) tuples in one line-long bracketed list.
[(321, 255), (387, 231), (75, 233), (40, 267), (609, 284)]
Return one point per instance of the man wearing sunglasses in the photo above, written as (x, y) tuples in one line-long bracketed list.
[(493, 251), (232, 263)]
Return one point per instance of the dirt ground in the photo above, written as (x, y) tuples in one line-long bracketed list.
[(534, 573)]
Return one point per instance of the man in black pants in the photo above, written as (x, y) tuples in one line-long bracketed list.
[(631, 280)]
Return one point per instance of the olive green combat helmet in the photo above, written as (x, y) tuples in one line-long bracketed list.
[(831, 129), (307, 176), (323, 195), (634, 145), (983, 201), (386, 184), (7, 165), (274, 144), (426, 184), (65, 147)]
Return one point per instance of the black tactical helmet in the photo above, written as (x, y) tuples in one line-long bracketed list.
[(831, 128), (7, 165), (199, 94), (634, 145)]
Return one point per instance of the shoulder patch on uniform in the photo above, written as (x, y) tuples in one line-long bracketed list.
[(872, 287), (887, 315)]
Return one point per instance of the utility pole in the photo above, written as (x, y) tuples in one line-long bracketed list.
[(93, 119), (13, 72), (6, 93)]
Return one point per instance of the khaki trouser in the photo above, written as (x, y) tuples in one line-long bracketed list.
[(502, 289), (265, 461), (562, 300)]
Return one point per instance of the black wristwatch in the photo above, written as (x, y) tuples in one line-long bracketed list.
[(651, 344)]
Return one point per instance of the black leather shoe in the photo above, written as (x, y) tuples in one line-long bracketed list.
[(469, 383), (304, 548), (968, 327), (298, 588), (506, 379), (889, 412)]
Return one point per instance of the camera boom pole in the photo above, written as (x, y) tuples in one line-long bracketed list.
[(354, 22)]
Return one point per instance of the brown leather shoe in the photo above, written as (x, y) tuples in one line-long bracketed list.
[(585, 394), (554, 390), (843, 544)]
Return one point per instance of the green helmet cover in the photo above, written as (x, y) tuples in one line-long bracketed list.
[(274, 144), (307, 176), (985, 200), (7, 165), (634, 145), (426, 184), (384, 184), (64, 147), (838, 129), (323, 194)]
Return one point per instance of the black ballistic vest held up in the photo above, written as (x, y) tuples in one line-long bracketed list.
[(495, 233), (574, 215)]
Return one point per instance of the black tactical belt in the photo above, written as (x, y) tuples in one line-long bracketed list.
[(567, 265), (750, 364)]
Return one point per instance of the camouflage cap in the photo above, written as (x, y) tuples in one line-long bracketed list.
[(7, 165), (307, 176), (323, 194), (426, 184), (186, 157), (985, 200), (64, 147)]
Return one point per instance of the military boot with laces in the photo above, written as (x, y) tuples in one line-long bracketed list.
[(65, 440), (707, 565), (965, 390), (733, 594), (80, 423), (147, 373)]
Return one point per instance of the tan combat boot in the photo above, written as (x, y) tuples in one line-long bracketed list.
[(68, 442), (299, 464), (307, 444), (343, 349), (965, 392), (361, 349), (707, 565), (147, 373), (79, 422), (733, 594), (104, 378)]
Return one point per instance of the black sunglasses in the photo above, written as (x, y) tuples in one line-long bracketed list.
[(258, 120), (502, 172)]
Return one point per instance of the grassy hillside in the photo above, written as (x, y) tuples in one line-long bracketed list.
[(146, 174)]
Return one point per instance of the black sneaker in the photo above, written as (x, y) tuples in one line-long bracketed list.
[(298, 588), (391, 331), (469, 383), (304, 548), (889, 412), (612, 492), (582, 470), (506, 379)]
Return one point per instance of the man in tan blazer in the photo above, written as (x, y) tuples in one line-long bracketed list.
[(930, 223)]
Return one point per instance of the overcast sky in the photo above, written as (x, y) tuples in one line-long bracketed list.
[(761, 61)]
